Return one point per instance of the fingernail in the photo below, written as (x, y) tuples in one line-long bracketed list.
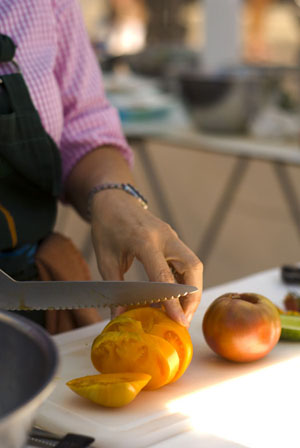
[(184, 322), (189, 318)]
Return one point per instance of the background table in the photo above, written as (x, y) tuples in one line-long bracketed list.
[(176, 128), (244, 150)]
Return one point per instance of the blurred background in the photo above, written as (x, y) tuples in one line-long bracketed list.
[(208, 94)]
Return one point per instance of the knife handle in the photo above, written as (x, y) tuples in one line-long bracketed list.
[(75, 441), (290, 274), (41, 438)]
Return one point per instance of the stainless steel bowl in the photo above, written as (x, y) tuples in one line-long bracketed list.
[(28, 363), (222, 104)]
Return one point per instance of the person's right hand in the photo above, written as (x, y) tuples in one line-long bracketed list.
[(122, 230)]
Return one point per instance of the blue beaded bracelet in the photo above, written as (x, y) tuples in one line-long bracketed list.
[(128, 188)]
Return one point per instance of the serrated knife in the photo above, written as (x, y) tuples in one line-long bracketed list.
[(43, 295)]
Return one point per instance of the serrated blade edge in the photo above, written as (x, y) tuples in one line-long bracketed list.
[(73, 295)]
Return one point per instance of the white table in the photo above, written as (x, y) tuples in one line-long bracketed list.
[(215, 404)]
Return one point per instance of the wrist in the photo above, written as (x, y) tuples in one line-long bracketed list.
[(125, 188), (103, 164)]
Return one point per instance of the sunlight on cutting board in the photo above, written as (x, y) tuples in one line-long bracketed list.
[(255, 410)]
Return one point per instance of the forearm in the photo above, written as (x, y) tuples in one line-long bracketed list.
[(104, 164)]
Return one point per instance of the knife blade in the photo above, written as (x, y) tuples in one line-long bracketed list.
[(43, 295)]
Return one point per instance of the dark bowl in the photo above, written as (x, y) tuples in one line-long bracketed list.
[(221, 103), (203, 90), (28, 363)]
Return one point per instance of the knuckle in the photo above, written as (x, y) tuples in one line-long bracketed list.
[(194, 264), (169, 230), (145, 234), (160, 228), (165, 275), (154, 233), (197, 265)]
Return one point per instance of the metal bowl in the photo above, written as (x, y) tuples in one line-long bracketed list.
[(28, 363), (222, 104)]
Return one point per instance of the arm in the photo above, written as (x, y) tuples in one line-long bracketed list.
[(104, 164), (90, 121), (123, 230), (94, 151)]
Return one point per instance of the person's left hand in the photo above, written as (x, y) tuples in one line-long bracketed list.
[(59, 321), (123, 230)]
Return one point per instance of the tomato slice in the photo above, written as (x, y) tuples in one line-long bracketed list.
[(122, 351), (124, 323), (156, 322), (180, 340), (110, 390)]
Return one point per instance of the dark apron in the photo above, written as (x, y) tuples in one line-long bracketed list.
[(30, 174)]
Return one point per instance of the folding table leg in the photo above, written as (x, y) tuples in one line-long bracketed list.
[(288, 190), (156, 186), (222, 209)]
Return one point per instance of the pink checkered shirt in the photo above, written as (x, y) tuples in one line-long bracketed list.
[(63, 76)]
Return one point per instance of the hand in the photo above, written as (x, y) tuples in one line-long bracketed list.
[(123, 230), (59, 321)]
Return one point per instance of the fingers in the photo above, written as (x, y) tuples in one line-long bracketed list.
[(65, 321), (86, 316), (190, 272), (59, 321), (51, 321), (191, 275), (115, 311), (111, 271), (137, 233), (158, 270), (174, 311), (177, 263)]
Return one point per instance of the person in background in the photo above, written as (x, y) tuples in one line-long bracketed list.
[(256, 49), (60, 139)]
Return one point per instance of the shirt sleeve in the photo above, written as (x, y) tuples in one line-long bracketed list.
[(90, 120)]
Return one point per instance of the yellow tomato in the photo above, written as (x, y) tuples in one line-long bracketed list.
[(124, 323), (156, 322), (125, 351), (110, 390)]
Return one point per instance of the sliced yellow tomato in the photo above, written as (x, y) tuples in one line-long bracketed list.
[(110, 390), (156, 322), (181, 341), (122, 351), (123, 323), (148, 316)]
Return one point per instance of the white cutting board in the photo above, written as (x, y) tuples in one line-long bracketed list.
[(221, 403)]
